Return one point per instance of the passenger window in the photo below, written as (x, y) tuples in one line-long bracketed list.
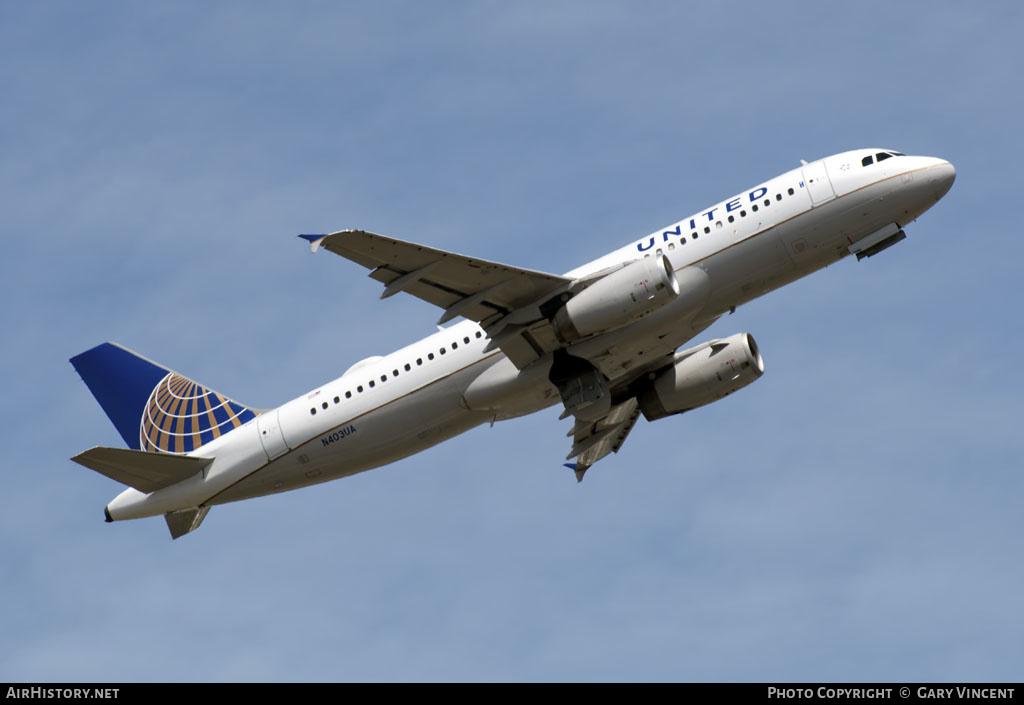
[(394, 373), (337, 400), (407, 367), (324, 405), (359, 389), (790, 192), (348, 394), (466, 340), (312, 412), (372, 384), (430, 356)]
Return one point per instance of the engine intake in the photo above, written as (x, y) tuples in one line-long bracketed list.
[(617, 299), (703, 375)]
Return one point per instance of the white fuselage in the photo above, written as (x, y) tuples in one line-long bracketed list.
[(392, 407)]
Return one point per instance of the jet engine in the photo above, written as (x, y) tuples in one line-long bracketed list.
[(617, 299), (702, 375)]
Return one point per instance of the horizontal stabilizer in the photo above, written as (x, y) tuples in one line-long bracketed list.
[(146, 472), (185, 520)]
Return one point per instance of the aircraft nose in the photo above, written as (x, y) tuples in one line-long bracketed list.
[(942, 175)]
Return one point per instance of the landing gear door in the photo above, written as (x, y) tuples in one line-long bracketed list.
[(270, 434), (818, 185)]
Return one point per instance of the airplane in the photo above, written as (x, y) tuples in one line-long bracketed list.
[(603, 341)]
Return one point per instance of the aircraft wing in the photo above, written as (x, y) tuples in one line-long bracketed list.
[(594, 440), (505, 300)]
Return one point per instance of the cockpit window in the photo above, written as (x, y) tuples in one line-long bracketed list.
[(882, 155), (867, 161)]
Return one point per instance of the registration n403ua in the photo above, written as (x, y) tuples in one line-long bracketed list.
[(608, 342)]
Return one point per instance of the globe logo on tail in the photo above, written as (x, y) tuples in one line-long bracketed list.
[(182, 415)]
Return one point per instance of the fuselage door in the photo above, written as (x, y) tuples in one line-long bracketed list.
[(270, 434), (818, 185)]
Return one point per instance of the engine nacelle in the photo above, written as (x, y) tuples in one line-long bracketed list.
[(617, 299), (703, 375)]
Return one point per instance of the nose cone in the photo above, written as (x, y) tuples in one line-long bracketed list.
[(946, 175), (941, 176)]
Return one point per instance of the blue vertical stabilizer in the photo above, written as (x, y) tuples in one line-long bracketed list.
[(153, 408)]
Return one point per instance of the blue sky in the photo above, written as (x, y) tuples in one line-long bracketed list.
[(855, 515)]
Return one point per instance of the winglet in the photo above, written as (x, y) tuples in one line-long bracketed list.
[(576, 469), (314, 240)]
